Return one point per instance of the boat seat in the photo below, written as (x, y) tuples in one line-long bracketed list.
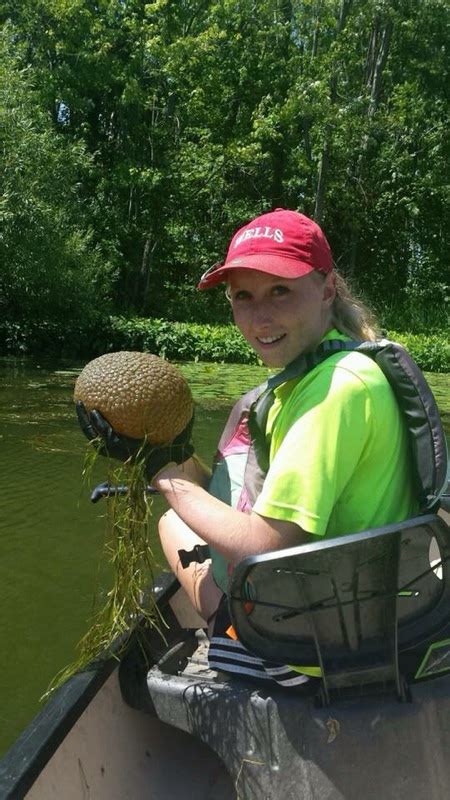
[(372, 608), (360, 606)]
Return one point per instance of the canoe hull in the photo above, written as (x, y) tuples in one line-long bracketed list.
[(114, 752)]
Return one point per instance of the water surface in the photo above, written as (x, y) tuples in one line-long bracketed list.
[(51, 536)]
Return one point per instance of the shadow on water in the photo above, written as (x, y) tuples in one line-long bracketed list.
[(51, 536)]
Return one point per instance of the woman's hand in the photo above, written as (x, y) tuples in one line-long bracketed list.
[(124, 448)]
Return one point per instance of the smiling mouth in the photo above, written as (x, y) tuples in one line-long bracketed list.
[(267, 340)]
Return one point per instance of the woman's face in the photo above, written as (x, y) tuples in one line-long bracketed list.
[(281, 317)]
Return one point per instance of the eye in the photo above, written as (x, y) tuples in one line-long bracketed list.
[(279, 290), (240, 295)]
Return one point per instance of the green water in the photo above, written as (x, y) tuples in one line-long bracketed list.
[(51, 536)]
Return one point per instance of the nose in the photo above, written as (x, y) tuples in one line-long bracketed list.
[(262, 313)]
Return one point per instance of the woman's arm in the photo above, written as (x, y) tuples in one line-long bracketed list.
[(232, 533)]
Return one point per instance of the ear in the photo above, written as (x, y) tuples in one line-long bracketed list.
[(329, 289)]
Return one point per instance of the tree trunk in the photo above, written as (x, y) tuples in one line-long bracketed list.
[(377, 55), (143, 281), (325, 156), (321, 180), (278, 148), (380, 64)]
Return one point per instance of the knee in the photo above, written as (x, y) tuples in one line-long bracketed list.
[(164, 524)]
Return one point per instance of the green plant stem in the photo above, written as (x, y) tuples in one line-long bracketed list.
[(127, 549)]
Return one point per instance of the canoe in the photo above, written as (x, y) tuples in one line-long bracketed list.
[(158, 723)]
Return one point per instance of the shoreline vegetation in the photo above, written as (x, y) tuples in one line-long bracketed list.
[(177, 341)]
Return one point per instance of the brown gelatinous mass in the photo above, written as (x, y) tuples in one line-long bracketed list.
[(138, 393)]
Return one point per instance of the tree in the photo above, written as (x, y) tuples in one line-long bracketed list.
[(193, 116), (46, 249)]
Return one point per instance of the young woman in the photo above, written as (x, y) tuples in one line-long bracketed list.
[(338, 457), (336, 442)]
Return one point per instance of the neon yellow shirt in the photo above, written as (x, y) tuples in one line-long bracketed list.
[(339, 459)]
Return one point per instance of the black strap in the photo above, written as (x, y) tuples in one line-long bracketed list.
[(297, 368)]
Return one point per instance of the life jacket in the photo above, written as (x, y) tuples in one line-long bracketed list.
[(242, 459)]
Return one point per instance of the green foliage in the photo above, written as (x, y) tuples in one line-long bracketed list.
[(191, 342), (180, 341), (51, 268), (177, 341), (68, 337), (138, 136), (432, 353), (414, 315)]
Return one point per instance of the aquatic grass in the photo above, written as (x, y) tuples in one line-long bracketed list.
[(129, 603)]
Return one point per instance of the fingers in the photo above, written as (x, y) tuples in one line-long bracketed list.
[(84, 419), (110, 443), (101, 424), (90, 424), (114, 445)]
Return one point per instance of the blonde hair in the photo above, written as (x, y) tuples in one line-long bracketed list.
[(351, 316)]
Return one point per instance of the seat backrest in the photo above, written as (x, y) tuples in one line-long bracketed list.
[(352, 605)]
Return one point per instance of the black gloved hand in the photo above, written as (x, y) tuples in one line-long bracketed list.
[(109, 443), (176, 452), (116, 445)]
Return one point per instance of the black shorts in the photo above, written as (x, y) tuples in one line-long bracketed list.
[(227, 654)]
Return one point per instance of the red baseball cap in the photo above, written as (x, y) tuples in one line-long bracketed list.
[(281, 242)]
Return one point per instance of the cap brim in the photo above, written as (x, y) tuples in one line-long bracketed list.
[(274, 265)]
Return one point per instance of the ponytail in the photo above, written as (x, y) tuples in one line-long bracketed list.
[(350, 316)]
